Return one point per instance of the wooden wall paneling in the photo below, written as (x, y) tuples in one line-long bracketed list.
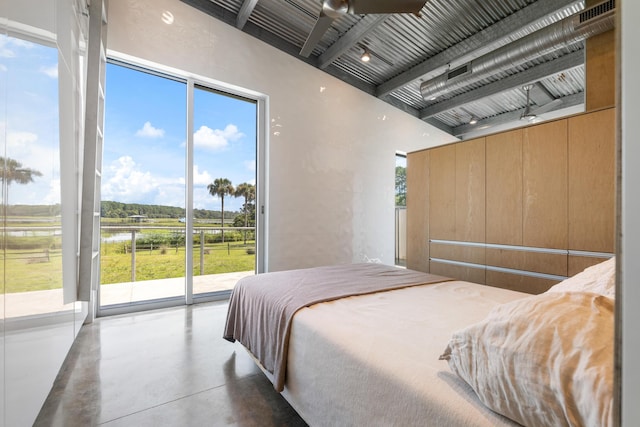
[(538, 262), (579, 263), (592, 181), (470, 191), (469, 274), (600, 71), (544, 152), (516, 282), (472, 254), (418, 210), (504, 188), (442, 193)]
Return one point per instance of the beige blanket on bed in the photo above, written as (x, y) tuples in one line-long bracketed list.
[(262, 306)]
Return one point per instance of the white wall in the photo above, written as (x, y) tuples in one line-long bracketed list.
[(331, 147), (629, 13)]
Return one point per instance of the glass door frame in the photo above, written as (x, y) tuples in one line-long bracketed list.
[(262, 109)]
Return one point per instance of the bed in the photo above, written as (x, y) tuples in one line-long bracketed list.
[(420, 349)]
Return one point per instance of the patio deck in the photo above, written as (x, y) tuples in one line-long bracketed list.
[(51, 301)]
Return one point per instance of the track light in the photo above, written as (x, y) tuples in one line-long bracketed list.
[(526, 113), (473, 120), (366, 56)]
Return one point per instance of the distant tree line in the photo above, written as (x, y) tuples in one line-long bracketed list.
[(34, 210), (401, 186), (109, 209)]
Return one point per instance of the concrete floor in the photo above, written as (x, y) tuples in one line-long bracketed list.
[(166, 367)]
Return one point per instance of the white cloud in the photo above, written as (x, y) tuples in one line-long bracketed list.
[(250, 165), (216, 139), (148, 131), (127, 183), (53, 196), (51, 71), (21, 43), (26, 147), (203, 178), (7, 42), (17, 139), (5, 51)]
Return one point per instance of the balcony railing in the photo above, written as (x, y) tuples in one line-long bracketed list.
[(157, 241)]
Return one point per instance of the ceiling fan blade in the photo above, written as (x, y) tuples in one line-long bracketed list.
[(322, 25), (546, 107), (360, 7)]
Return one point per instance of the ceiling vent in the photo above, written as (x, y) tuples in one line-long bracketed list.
[(575, 28), (464, 69), (597, 10)]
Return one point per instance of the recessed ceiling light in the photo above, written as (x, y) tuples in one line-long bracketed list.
[(167, 17)]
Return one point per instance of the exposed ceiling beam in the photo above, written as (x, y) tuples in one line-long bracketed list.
[(514, 116), (351, 37), (245, 12), (400, 105), (478, 44), (540, 95), (218, 12), (443, 127), (214, 10), (533, 74)]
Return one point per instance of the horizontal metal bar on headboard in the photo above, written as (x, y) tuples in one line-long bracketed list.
[(526, 273), (500, 269), (527, 249), (591, 254), (523, 248), (458, 243)]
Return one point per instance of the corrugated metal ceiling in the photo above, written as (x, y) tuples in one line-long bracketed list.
[(407, 49)]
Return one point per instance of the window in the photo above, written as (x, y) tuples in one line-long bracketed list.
[(401, 209), (179, 187)]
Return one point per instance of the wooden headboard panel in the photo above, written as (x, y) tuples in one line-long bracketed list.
[(520, 209)]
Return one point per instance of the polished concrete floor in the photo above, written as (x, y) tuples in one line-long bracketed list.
[(166, 367)]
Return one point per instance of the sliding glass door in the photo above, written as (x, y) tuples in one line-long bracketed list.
[(178, 216), (224, 189), (143, 187)]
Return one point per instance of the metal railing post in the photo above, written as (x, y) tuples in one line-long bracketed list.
[(201, 252), (133, 255)]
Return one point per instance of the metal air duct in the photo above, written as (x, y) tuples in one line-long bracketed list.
[(577, 27)]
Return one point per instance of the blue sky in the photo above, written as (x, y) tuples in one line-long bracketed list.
[(145, 141), (145, 133), (29, 122)]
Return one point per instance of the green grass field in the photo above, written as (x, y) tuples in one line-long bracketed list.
[(31, 270), (34, 270), (169, 262), (33, 262)]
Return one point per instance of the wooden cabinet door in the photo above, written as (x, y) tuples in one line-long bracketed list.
[(470, 191), (504, 188), (418, 210), (592, 181), (442, 193), (544, 178)]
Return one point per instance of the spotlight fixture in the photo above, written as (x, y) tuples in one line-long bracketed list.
[(366, 56), (473, 120)]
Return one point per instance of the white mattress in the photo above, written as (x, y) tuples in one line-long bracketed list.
[(373, 360)]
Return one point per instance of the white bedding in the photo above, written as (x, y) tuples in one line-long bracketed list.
[(373, 360)]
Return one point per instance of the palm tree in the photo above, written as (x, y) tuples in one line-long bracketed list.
[(221, 187), (12, 171), (247, 191)]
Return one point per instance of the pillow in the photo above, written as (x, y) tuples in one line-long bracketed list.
[(599, 279), (545, 360)]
